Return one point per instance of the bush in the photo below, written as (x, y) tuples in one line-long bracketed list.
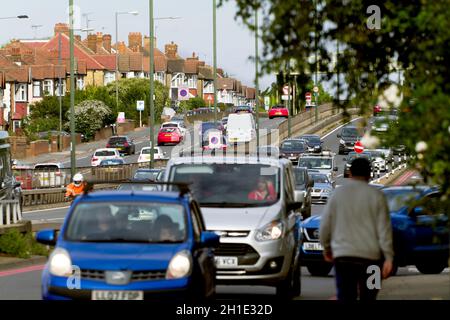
[(14, 243)]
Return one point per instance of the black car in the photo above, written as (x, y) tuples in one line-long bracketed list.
[(352, 156), (313, 141), (292, 149), (122, 143), (348, 136), (239, 109), (303, 183)]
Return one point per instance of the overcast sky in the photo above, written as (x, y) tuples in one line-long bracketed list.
[(193, 32)]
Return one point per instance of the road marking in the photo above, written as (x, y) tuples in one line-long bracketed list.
[(21, 270), (340, 175), (334, 130), (404, 178), (44, 210)]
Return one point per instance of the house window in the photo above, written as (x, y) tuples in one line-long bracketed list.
[(192, 81), (177, 80), (36, 88), (63, 88), (80, 83), (109, 77), (16, 124), (21, 92), (208, 87), (48, 87), (159, 76), (130, 75)]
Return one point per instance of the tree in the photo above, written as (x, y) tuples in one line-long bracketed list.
[(90, 116), (192, 104), (374, 41)]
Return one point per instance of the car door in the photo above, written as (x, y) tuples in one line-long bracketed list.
[(293, 220), (430, 224), (204, 257)]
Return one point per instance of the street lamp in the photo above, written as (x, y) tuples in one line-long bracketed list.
[(72, 92), (24, 16), (215, 58), (256, 81), (135, 13)]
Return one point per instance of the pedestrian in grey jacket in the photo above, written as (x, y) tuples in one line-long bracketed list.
[(356, 234)]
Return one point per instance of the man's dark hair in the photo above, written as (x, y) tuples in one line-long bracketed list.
[(360, 168)]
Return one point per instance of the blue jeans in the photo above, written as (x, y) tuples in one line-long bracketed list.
[(351, 278)]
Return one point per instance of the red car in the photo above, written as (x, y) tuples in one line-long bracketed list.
[(169, 135), (376, 109), (278, 111)]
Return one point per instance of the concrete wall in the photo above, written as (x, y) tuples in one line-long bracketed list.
[(123, 128), (103, 133)]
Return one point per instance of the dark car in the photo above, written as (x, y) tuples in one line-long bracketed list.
[(292, 149), (304, 184), (245, 109), (122, 143), (147, 174), (352, 156), (348, 136), (207, 126), (313, 141)]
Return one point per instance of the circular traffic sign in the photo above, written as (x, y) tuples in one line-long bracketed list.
[(214, 140), (316, 89), (359, 148), (183, 93), (308, 96)]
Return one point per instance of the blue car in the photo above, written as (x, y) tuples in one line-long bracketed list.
[(421, 237), (130, 245)]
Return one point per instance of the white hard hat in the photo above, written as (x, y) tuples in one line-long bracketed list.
[(78, 178)]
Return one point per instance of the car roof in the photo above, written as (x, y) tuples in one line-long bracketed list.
[(310, 135), (148, 170), (59, 164), (228, 160), (106, 149), (127, 195)]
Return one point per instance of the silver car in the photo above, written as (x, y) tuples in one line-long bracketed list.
[(252, 205)]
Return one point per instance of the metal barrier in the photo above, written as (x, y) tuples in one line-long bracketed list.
[(10, 211)]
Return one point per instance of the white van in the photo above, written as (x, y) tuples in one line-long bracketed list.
[(241, 128)]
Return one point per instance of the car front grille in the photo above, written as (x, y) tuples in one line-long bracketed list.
[(312, 234), (144, 275), (246, 254)]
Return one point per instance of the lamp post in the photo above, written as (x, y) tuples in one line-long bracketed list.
[(72, 92), (257, 82), (117, 51), (152, 84), (215, 58), (23, 16)]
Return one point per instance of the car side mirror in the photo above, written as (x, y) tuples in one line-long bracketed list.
[(47, 237), (335, 169), (209, 239), (418, 211), (294, 206)]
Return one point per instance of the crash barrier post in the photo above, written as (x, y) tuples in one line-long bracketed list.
[(10, 212)]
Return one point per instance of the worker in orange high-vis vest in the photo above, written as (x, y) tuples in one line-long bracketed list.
[(76, 187)]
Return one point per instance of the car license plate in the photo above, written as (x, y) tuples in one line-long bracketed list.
[(292, 158), (167, 135), (117, 295), (233, 139), (312, 246), (226, 262)]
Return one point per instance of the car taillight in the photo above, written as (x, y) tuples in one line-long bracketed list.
[(108, 145), (57, 173), (126, 144), (94, 159)]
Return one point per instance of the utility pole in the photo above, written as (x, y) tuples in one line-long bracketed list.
[(152, 85), (72, 93), (288, 74), (316, 94), (60, 93), (215, 58), (257, 81)]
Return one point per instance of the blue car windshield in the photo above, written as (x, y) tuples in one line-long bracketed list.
[(149, 222), (399, 199)]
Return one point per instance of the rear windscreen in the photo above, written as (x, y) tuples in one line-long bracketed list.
[(105, 153)]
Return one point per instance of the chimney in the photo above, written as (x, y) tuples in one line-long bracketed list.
[(135, 41), (92, 42), (99, 44), (78, 37), (194, 57), (171, 50), (147, 43), (122, 47), (107, 42), (62, 27)]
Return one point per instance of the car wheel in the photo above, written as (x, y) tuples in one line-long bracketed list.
[(431, 268), (286, 288), (340, 151), (319, 269)]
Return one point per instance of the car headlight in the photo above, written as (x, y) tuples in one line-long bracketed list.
[(326, 191), (180, 266), (271, 231), (60, 263), (341, 141)]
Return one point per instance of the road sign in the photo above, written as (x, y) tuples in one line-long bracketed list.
[(359, 148), (316, 89), (140, 105), (286, 97), (308, 96), (183, 94), (286, 90), (121, 117), (215, 139), (210, 98)]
